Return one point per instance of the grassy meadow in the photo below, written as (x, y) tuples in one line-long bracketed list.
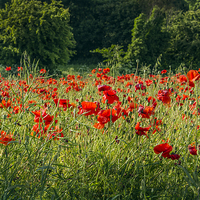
[(89, 135)]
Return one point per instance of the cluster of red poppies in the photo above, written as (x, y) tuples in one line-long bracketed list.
[(113, 109)]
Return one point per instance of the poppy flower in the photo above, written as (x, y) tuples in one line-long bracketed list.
[(174, 156), (165, 149), (43, 71), (64, 103), (93, 71), (5, 104), (110, 96), (103, 87), (142, 131), (39, 117), (146, 112), (140, 87), (163, 95), (19, 69), (132, 106), (182, 79), (89, 108), (8, 69), (153, 100), (192, 149), (5, 138), (193, 75), (105, 71), (164, 71), (104, 117)]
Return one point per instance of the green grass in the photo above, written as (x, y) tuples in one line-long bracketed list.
[(76, 68)]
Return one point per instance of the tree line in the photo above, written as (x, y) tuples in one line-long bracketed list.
[(145, 29)]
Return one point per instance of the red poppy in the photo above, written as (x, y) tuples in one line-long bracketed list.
[(104, 117), (30, 76), (105, 71), (103, 87), (93, 71), (64, 103), (163, 95), (110, 96), (174, 156), (8, 69), (19, 69), (153, 100), (165, 149), (5, 104), (6, 138), (55, 133), (39, 117), (43, 71), (140, 87), (192, 149), (89, 108), (132, 106), (193, 75), (141, 131), (182, 79), (146, 112), (164, 71)]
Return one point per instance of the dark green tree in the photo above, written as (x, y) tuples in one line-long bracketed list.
[(3, 2), (147, 5), (185, 39), (193, 4), (40, 29), (149, 40), (101, 23)]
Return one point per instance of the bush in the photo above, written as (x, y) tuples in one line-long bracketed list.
[(38, 28)]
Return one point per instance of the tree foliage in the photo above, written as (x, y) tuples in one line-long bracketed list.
[(40, 29), (145, 29), (149, 40), (101, 23), (185, 39)]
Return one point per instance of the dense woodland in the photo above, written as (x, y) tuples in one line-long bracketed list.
[(149, 30)]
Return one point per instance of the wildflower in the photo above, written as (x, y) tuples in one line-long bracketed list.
[(182, 79), (164, 71), (193, 75), (93, 71), (140, 87), (192, 149), (64, 103), (43, 71), (39, 117), (165, 149), (163, 95), (104, 117), (89, 108), (5, 138), (153, 100), (142, 131), (19, 69), (110, 96), (5, 104), (8, 69), (174, 156), (146, 112), (103, 87)]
